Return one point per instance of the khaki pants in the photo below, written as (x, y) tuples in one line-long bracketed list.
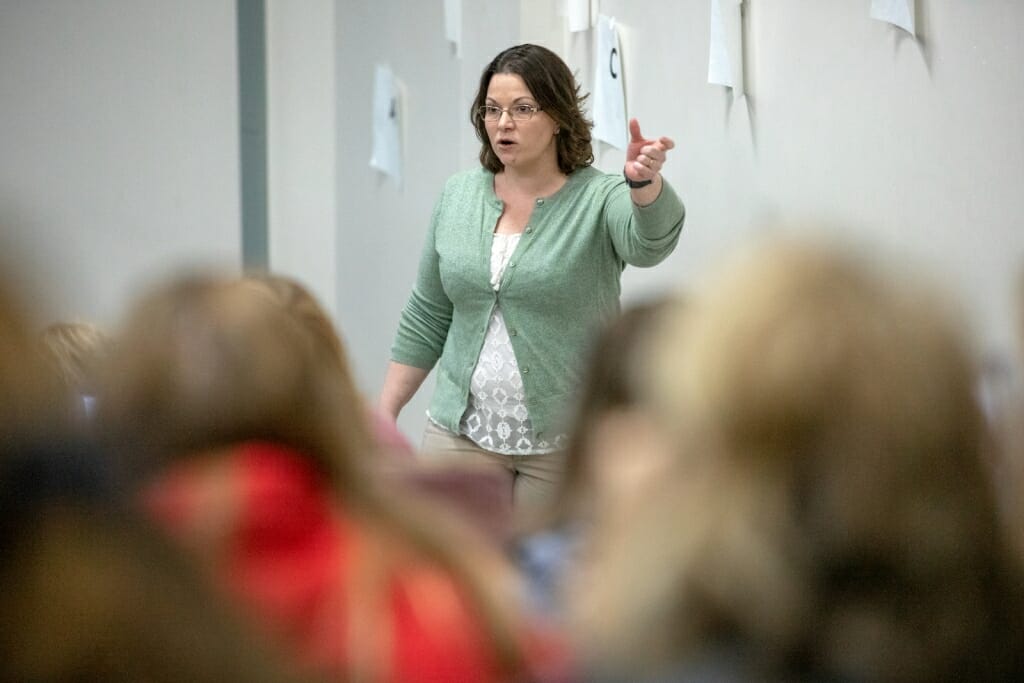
[(534, 479)]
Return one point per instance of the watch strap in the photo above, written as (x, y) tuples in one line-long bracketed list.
[(634, 184)]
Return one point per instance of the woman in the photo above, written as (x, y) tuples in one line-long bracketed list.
[(829, 516), (522, 263), (230, 405), (90, 592)]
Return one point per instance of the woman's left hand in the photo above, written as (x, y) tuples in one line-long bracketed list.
[(644, 158)]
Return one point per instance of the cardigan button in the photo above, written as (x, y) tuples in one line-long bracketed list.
[(528, 229), (540, 202), (526, 371), (513, 332)]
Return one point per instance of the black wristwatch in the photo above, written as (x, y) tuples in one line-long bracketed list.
[(635, 183)]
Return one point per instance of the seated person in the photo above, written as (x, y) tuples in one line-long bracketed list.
[(829, 515), (236, 414)]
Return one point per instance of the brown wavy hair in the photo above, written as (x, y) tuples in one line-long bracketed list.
[(555, 88)]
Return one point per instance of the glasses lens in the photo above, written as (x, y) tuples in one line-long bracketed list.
[(520, 112)]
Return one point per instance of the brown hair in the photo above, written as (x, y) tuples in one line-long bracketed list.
[(94, 595), (554, 87), (205, 363), (29, 393), (298, 301)]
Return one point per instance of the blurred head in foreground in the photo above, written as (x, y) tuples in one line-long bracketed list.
[(90, 591), (830, 516), (252, 440), (205, 363), (380, 439)]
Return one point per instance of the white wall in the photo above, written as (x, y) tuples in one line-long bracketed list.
[(301, 144), (913, 148), (119, 140), (381, 227), (118, 143)]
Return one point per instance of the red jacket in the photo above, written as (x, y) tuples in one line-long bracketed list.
[(312, 574)]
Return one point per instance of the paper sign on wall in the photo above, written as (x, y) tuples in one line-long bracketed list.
[(609, 94), (578, 15), (725, 56), (453, 24), (897, 12), (387, 124)]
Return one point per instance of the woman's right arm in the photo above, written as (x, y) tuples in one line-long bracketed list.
[(400, 384)]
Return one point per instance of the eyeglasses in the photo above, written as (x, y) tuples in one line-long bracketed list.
[(518, 112)]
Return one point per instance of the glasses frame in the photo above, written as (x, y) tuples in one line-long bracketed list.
[(483, 109)]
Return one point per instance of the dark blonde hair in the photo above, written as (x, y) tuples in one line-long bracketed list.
[(303, 306), (832, 516), (554, 87), (205, 363)]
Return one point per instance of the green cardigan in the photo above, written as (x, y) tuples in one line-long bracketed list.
[(561, 284)]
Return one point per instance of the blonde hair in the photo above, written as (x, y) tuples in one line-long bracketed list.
[(75, 350), (831, 512)]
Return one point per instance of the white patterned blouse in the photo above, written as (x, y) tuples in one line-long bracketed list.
[(496, 418)]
